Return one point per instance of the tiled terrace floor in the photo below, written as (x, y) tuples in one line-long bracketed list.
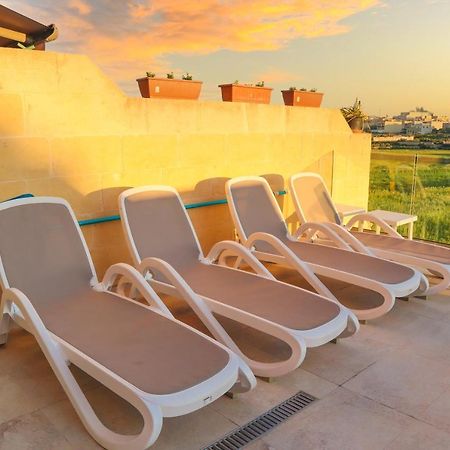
[(386, 388)]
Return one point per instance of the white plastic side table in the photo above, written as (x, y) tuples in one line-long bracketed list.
[(395, 219)]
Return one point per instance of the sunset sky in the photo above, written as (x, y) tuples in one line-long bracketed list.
[(393, 54)]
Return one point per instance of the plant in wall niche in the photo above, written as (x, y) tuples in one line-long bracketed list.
[(302, 97), (169, 87), (260, 84), (354, 116)]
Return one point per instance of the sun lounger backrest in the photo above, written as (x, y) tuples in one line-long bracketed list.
[(159, 225), (256, 208), (41, 249), (312, 200)]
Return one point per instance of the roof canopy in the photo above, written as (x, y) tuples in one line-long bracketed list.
[(18, 30)]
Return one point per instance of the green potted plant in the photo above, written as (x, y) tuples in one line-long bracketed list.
[(354, 116), (152, 87), (237, 92), (302, 97)]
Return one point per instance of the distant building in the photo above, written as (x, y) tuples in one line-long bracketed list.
[(393, 126), (415, 122), (437, 124), (418, 128), (417, 114)]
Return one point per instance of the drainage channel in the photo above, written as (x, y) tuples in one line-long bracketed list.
[(243, 436)]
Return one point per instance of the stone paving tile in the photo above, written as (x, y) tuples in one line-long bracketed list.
[(65, 420), (395, 394), (403, 380), (436, 307), (193, 431), (340, 421), (429, 338), (421, 436), (342, 361), (438, 413), (267, 395), (389, 329), (31, 432)]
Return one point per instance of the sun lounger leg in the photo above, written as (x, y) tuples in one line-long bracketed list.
[(5, 323), (352, 326), (267, 379), (231, 395), (110, 440)]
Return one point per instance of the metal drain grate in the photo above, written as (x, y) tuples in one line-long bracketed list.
[(240, 437)]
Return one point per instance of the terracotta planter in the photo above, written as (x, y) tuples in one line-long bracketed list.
[(356, 124), (245, 93), (169, 88), (302, 98)]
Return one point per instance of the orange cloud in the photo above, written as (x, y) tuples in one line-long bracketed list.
[(80, 6), (128, 37)]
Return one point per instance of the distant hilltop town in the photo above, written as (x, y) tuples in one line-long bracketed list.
[(416, 128)]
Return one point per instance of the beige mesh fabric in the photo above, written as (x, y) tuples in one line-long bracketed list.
[(351, 296), (255, 209), (314, 201), (160, 229), (44, 257), (259, 214), (153, 353), (426, 250), (277, 302), (365, 266), (41, 251)]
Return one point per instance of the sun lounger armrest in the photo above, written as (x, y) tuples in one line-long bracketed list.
[(130, 275), (149, 265), (292, 260), (349, 238), (221, 250), (368, 217), (312, 228)]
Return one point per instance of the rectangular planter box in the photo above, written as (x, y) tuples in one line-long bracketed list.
[(302, 98), (244, 93), (169, 88)]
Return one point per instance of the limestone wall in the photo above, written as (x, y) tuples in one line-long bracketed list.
[(67, 130)]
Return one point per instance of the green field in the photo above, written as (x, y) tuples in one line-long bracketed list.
[(400, 181)]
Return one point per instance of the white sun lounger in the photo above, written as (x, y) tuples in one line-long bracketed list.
[(161, 366), (165, 248), (313, 203), (262, 229)]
